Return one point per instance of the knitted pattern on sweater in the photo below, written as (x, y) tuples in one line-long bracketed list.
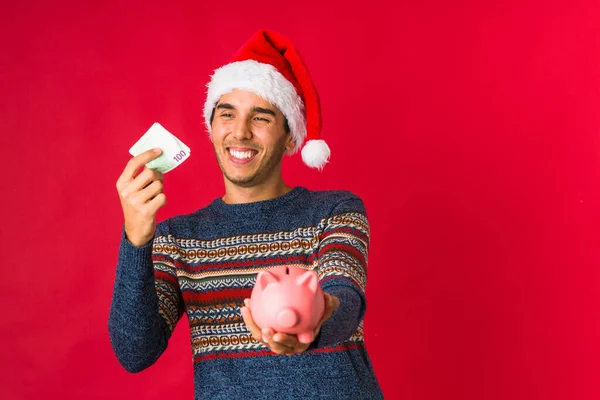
[(205, 264)]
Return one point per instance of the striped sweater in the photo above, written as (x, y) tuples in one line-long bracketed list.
[(205, 264)]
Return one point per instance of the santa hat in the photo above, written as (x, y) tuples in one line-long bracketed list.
[(270, 66)]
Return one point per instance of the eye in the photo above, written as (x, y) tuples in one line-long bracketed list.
[(227, 115), (261, 119)]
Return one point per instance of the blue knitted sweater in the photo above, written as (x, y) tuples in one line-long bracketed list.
[(205, 264)]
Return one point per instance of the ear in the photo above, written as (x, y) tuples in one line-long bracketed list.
[(308, 279), (290, 144), (264, 279)]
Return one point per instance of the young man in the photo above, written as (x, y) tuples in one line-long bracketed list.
[(259, 107)]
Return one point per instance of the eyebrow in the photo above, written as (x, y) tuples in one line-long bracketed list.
[(260, 110)]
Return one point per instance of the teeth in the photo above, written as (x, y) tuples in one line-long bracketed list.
[(241, 154)]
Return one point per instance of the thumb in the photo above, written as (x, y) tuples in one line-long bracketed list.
[(331, 304)]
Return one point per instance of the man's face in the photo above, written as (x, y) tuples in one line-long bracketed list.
[(249, 138)]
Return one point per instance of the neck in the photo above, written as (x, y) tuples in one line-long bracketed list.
[(235, 194)]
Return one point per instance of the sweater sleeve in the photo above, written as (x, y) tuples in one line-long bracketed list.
[(146, 303), (342, 268)]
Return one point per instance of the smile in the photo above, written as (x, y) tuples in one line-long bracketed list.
[(241, 156)]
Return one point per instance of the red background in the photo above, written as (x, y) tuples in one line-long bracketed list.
[(471, 131)]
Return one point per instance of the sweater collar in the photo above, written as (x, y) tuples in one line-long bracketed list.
[(256, 207)]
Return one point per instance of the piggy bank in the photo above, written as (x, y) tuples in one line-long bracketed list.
[(288, 300)]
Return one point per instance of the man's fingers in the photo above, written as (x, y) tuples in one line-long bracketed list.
[(143, 179), (156, 203), (142, 195), (149, 192), (252, 327), (134, 165), (247, 317), (141, 159), (279, 348), (281, 343), (267, 337), (285, 340), (301, 348), (267, 334), (331, 304)]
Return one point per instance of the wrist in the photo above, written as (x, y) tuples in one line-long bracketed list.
[(138, 241), (139, 237)]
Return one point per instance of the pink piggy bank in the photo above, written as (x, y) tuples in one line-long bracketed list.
[(288, 300)]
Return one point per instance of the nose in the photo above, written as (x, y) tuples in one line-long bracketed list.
[(241, 130)]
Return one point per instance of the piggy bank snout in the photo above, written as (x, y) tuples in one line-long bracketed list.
[(288, 317)]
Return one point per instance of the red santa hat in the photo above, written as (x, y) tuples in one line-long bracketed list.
[(269, 65)]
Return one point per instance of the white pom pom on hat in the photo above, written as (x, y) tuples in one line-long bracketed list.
[(315, 153), (269, 65)]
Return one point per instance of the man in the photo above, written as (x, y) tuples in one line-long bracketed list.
[(259, 107)]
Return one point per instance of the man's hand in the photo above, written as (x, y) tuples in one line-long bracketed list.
[(281, 343), (141, 197)]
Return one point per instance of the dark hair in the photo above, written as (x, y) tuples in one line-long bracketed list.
[(286, 126)]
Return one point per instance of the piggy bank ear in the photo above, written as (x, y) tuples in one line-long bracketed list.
[(265, 278), (308, 279)]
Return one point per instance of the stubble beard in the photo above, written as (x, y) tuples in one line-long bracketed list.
[(262, 173)]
